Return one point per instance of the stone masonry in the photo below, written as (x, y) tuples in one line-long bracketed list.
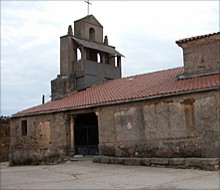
[(4, 138), (201, 56), (185, 126), (181, 127), (170, 127), (85, 59), (183, 163), (45, 139)]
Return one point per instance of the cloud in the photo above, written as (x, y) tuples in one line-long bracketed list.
[(144, 31)]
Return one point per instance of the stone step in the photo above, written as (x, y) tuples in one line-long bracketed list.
[(196, 163)]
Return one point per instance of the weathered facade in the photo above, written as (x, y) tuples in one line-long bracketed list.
[(45, 137), (165, 114), (201, 57), (85, 59), (4, 138), (181, 126)]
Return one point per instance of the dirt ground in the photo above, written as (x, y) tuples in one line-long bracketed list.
[(88, 175)]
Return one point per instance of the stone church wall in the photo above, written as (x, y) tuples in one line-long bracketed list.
[(4, 138), (45, 139), (184, 126), (201, 56), (179, 126)]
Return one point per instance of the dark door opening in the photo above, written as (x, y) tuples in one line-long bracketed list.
[(86, 134)]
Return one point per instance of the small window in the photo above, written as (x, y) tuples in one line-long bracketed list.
[(24, 127), (79, 54), (92, 34), (98, 58)]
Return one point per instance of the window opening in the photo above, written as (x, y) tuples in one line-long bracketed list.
[(79, 54), (98, 58), (92, 55), (115, 62), (118, 61), (92, 34), (24, 127)]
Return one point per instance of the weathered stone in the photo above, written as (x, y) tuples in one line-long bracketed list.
[(131, 152), (211, 161), (199, 54), (193, 162), (106, 149), (198, 163), (116, 160), (177, 161), (4, 138), (184, 125), (160, 161), (104, 159), (96, 159), (202, 163), (46, 136), (119, 152), (128, 124), (132, 161), (211, 167), (136, 154), (145, 161), (81, 70)]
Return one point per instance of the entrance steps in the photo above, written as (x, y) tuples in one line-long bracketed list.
[(82, 158)]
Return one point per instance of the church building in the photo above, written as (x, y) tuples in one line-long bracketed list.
[(94, 111)]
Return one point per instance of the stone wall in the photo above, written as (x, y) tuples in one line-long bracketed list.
[(82, 29), (4, 138), (62, 86), (201, 56), (46, 138), (184, 126)]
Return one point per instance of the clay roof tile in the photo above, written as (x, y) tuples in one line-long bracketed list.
[(196, 37), (127, 89)]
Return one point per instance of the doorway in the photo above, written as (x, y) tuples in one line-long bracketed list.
[(86, 134)]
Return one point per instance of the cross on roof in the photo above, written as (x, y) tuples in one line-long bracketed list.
[(87, 1)]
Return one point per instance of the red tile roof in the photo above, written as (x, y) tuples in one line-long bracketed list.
[(196, 37), (151, 85)]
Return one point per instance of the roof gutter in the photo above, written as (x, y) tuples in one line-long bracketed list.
[(118, 102)]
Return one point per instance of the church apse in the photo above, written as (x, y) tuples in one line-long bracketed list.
[(85, 59)]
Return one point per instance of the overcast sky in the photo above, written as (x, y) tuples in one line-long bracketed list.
[(144, 31)]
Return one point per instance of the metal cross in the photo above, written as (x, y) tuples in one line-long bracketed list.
[(87, 1)]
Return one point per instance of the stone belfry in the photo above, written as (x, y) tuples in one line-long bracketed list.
[(85, 59)]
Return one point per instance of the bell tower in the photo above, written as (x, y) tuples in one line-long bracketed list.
[(85, 59)]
